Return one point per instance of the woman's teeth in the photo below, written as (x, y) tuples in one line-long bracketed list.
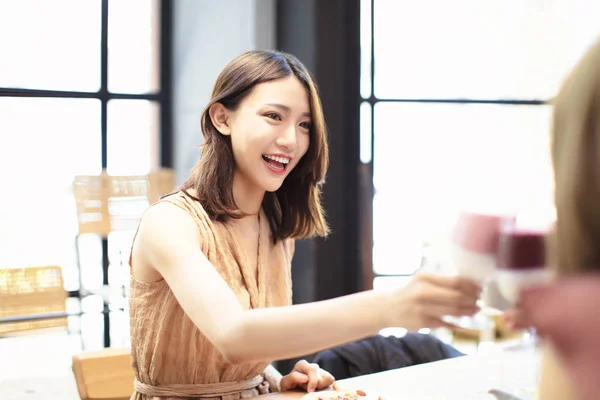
[(281, 160)]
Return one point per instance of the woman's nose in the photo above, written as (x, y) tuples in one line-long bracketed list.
[(287, 139)]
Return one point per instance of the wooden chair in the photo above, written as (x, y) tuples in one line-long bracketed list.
[(109, 203), (32, 298), (98, 198), (104, 375)]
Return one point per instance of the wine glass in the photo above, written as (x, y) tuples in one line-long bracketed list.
[(521, 264), (475, 241)]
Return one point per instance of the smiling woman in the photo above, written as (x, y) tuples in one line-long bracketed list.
[(282, 115), (211, 291), (278, 163), (278, 133)]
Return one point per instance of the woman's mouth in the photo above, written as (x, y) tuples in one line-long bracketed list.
[(276, 164)]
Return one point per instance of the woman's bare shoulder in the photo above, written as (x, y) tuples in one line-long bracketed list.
[(166, 217), (164, 230)]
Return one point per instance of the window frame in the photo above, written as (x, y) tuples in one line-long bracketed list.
[(163, 97), (370, 273)]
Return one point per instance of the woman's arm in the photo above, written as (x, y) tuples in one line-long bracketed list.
[(169, 238)]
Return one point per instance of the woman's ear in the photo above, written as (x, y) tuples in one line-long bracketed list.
[(220, 118)]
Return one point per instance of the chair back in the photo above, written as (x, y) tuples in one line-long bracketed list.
[(30, 293), (107, 203), (104, 374)]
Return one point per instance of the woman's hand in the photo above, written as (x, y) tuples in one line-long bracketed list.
[(427, 298), (309, 377)]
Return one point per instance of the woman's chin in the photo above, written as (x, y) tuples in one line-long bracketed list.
[(272, 185), (272, 188)]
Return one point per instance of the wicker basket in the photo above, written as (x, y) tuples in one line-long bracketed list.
[(29, 291)]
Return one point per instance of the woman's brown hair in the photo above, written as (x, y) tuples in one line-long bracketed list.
[(293, 211), (574, 246)]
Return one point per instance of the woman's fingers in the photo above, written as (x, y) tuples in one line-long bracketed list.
[(437, 295), (312, 371), (466, 286), (293, 380), (326, 379)]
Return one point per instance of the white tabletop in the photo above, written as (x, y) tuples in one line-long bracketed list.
[(469, 378), (43, 372)]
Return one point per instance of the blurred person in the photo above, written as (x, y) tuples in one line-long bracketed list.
[(565, 312), (211, 291)]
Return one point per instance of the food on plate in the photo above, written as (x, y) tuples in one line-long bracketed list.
[(341, 395)]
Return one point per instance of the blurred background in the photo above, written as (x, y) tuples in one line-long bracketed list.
[(432, 107)]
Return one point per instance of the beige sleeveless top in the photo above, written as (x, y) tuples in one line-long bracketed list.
[(171, 358)]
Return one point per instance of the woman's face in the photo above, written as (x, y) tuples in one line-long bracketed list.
[(270, 132)]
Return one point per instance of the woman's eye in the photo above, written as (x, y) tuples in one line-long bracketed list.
[(305, 125), (274, 116)]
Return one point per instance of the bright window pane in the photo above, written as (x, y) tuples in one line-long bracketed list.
[(132, 137), (366, 140), (395, 251), (90, 259), (432, 160), (50, 44), (119, 248), (479, 49), (44, 143), (133, 46)]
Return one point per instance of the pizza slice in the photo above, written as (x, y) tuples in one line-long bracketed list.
[(341, 395)]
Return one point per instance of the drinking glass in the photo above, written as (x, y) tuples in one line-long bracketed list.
[(521, 264), (475, 242)]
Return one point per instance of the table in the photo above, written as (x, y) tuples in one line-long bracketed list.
[(44, 372), (468, 378)]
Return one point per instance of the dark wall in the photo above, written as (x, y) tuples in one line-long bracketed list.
[(325, 36)]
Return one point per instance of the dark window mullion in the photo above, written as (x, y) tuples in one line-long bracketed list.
[(520, 102), (165, 90), (19, 92), (372, 100), (104, 146), (104, 83)]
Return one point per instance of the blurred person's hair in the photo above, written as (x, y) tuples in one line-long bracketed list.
[(574, 245), (294, 210)]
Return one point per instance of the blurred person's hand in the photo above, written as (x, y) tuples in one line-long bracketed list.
[(566, 314)]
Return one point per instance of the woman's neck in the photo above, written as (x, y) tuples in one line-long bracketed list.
[(247, 196)]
